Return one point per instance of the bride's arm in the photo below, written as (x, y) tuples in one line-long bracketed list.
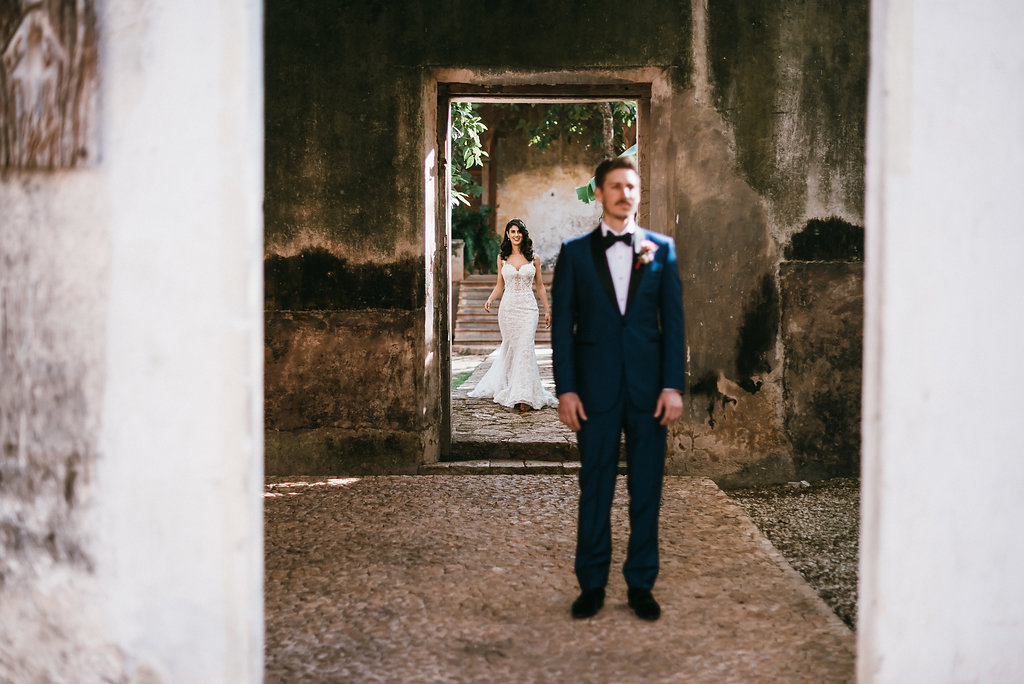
[(499, 287), (542, 294)]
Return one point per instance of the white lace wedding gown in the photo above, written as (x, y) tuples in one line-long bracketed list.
[(514, 378)]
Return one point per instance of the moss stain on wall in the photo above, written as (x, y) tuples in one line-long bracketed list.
[(791, 77), (317, 279)]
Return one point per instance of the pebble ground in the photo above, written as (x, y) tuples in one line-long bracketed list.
[(816, 526), (464, 578)]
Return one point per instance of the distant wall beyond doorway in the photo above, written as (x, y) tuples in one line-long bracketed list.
[(537, 181)]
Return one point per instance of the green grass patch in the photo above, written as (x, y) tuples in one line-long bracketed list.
[(459, 378)]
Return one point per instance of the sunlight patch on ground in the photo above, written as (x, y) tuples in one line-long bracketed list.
[(327, 482)]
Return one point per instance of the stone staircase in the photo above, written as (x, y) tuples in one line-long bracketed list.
[(476, 331)]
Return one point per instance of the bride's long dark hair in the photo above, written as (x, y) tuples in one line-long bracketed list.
[(526, 246)]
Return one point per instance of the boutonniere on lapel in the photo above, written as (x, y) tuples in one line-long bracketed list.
[(645, 253)]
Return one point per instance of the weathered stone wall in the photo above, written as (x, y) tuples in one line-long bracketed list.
[(757, 127), (791, 79), (130, 393), (732, 429), (822, 287), (822, 331), (344, 177), (783, 142), (331, 356)]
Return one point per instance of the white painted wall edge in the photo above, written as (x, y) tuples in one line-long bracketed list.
[(941, 562), (180, 478)]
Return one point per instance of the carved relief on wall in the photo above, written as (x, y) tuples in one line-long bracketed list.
[(48, 83)]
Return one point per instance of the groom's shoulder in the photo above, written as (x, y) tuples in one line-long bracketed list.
[(577, 242), (658, 237)]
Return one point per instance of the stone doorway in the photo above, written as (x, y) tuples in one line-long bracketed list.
[(478, 435)]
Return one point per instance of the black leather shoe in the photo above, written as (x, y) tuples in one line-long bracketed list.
[(588, 603), (643, 604)]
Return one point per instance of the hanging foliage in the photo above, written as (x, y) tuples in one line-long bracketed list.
[(601, 125), (467, 152)]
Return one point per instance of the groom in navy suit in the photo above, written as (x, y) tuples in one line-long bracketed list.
[(617, 338)]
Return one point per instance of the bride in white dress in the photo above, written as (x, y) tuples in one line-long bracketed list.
[(513, 379)]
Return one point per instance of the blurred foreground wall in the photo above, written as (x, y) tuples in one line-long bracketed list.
[(130, 342)]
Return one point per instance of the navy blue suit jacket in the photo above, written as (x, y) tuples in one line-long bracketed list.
[(595, 348)]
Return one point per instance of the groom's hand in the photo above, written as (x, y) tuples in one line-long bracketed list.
[(570, 410), (668, 408)]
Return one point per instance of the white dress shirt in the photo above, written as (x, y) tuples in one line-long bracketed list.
[(620, 263)]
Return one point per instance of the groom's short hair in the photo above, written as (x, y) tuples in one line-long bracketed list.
[(609, 165)]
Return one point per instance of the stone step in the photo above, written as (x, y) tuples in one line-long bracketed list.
[(480, 325), (478, 317), (489, 449), (485, 348), (476, 306), (475, 331), (463, 326), (476, 303), (476, 324), (471, 305), (473, 335), (469, 324), (477, 313), (469, 308), (505, 467), (482, 339), (548, 450), (477, 291), (475, 348), (476, 295), (482, 279), (483, 290), (494, 335)]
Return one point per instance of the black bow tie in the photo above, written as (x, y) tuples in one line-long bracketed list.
[(611, 238)]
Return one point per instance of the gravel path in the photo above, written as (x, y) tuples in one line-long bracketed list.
[(817, 528)]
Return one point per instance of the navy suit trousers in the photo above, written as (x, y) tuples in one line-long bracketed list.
[(599, 439)]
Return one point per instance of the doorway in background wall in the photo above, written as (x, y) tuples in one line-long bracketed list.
[(476, 433)]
